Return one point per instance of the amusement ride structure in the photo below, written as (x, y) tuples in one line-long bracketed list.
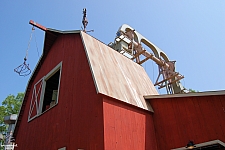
[(129, 43)]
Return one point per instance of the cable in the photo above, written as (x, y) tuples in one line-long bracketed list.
[(28, 47), (36, 44)]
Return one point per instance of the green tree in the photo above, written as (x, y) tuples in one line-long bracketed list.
[(11, 105)]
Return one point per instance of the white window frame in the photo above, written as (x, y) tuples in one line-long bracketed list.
[(34, 99), (43, 81)]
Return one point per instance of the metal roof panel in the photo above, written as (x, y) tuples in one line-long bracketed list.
[(117, 76)]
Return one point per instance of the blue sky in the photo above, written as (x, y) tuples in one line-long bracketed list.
[(188, 31)]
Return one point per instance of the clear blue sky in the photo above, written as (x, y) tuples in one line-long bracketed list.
[(192, 32)]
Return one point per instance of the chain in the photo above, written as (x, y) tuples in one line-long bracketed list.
[(29, 43)]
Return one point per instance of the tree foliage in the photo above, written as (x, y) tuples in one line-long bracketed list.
[(11, 105)]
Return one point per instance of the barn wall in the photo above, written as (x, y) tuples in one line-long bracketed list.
[(127, 127), (178, 120), (76, 121)]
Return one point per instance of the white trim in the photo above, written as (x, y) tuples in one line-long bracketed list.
[(203, 144), (53, 71), (42, 96), (89, 62), (209, 93), (34, 99)]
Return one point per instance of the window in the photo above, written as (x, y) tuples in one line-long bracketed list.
[(45, 93), (51, 91)]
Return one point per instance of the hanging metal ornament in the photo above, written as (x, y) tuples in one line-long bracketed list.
[(23, 69)]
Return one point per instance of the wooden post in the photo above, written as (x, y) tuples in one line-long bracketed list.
[(37, 25)]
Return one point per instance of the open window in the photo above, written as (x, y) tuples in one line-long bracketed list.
[(51, 90), (45, 93)]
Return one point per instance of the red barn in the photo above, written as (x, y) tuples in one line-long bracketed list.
[(85, 95)]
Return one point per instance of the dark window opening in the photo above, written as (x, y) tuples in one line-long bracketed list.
[(51, 91)]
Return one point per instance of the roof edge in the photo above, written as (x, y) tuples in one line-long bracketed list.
[(89, 63), (63, 32), (207, 93), (129, 104)]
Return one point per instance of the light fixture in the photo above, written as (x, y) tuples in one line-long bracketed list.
[(190, 145)]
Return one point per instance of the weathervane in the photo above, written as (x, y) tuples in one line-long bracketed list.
[(85, 21)]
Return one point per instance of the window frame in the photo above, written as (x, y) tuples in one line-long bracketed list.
[(42, 93), (45, 78)]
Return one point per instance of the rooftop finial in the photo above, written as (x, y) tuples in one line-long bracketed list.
[(84, 21)]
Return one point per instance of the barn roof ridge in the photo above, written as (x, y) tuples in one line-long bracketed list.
[(63, 31)]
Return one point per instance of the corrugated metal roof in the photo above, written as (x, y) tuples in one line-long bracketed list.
[(117, 76)]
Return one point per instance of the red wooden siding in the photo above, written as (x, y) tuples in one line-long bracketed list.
[(178, 120), (76, 121), (127, 127)]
